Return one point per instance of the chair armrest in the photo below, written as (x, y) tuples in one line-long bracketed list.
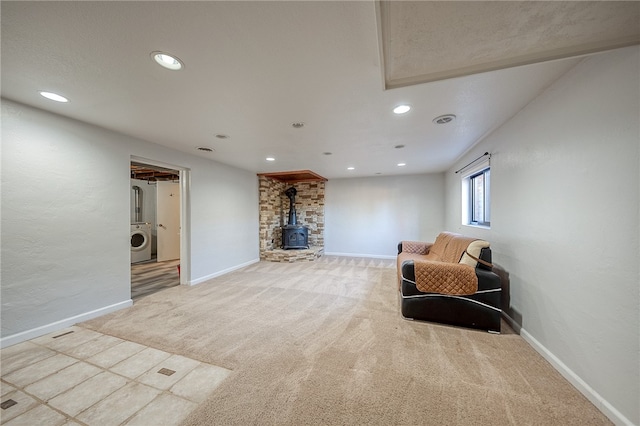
[(445, 278), (409, 271), (414, 247), (488, 280)]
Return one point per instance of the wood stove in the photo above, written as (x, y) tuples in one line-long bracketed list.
[(294, 236)]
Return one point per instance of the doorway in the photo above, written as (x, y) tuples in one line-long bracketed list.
[(158, 226)]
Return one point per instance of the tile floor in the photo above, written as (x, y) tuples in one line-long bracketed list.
[(81, 377)]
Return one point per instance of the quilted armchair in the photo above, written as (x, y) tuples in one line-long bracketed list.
[(449, 281)]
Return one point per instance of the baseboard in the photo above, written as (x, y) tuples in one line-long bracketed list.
[(59, 325), (369, 256), (512, 323), (223, 272), (596, 399)]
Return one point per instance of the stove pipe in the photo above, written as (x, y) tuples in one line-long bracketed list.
[(291, 193)]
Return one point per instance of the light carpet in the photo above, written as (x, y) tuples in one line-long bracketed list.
[(323, 343)]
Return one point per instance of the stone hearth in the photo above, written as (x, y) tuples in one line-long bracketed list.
[(303, 255)]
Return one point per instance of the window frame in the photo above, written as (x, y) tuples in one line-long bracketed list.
[(468, 193), (486, 198)]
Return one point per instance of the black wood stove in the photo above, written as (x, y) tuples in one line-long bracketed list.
[(294, 236)]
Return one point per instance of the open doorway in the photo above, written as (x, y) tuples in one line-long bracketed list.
[(157, 227)]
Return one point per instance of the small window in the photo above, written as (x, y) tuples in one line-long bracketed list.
[(477, 198)]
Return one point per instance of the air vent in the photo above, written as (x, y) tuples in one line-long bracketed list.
[(297, 125), (166, 371), (8, 404), (444, 119), (205, 149)]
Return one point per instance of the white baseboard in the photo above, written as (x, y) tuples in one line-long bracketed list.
[(369, 256), (512, 323), (59, 325), (224, 271), (596, 399)]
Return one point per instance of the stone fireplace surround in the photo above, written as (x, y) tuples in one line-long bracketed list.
[(274, 211)]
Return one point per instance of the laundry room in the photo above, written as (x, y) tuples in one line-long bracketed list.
[(155, 228), (144, 236)]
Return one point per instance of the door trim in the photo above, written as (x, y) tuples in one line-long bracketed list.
[(185, 214)]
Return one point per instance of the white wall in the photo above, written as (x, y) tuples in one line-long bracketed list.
[(370, 216), (565, 225), (66, 219)]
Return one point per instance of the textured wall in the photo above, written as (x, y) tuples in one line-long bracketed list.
[(370, 216), (565, 195), (66, 219)]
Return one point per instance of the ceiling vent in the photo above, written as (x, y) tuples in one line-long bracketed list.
[(444, 119)]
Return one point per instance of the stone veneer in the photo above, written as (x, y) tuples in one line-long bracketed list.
[(274, 214)]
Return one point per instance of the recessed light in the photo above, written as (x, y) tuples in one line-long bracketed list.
[(270, 159), (205, 149), (297, 125), (401, 109), (399, 146), (402, 164), (351, 168), (444, 119), (221, 136), (168, 61), (54, 97)]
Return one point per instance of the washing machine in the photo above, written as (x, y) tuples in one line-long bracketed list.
[(140, 242)]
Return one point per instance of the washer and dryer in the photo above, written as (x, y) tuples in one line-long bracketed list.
[(140, 242)]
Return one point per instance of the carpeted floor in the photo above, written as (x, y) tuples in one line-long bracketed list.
[(323, 343)]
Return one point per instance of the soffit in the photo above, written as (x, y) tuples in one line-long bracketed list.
[(427, 41)]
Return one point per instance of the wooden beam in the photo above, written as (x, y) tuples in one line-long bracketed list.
[(295, 176)]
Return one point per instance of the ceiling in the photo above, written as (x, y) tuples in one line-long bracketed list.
[(153, 173), (254, 68)]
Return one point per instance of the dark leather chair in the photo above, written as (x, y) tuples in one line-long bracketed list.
[(481, 310)]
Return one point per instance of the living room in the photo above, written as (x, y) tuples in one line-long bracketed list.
[(565, 220)]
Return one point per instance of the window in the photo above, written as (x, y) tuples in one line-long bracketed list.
[(480, 201), (476, 197)]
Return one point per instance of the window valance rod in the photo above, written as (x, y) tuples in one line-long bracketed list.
[(483, 155)]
